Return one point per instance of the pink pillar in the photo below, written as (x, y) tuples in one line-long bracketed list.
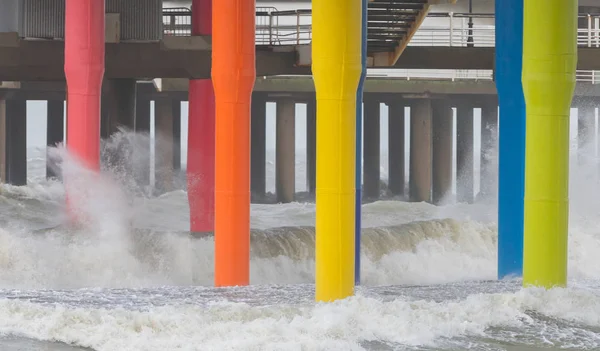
[(201, 135), (84, 70)]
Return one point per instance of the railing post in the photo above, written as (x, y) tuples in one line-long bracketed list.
[(297, 28), (270, 28), (451, 27), (597, 35), (589, 31), (462, 32)]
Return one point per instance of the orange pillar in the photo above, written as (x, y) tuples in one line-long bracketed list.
[(201, 135), (84, 70), (233, 75)]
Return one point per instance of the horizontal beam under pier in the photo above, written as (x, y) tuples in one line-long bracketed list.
[(303, 88), (44, 60)]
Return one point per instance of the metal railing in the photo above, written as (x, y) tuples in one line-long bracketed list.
[(586, 76), (453, 31), (453, 75), (177, 21), (274, 28), (432, 74), (294, 27), (271, 30)]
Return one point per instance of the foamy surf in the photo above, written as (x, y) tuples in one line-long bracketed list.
[(133, 279), (285, 318)]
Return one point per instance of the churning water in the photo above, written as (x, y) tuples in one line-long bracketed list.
[(132, 279)]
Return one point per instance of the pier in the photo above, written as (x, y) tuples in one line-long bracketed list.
[(429, 69)]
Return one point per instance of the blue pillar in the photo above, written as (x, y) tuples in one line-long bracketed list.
[(359, 111), (511, 164)]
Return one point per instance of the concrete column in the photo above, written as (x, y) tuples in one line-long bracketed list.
[(371, 149), (118, 106), (258, 145), (586, 123), (13, 141), (396, 141), (142, 115), (442, 151), (420, 150), (464, 152), (54, 132), (163, 150), (489, 146), (285, 159), (311, 145), (142, 128), (176, 134)]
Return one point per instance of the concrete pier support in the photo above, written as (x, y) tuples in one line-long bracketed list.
[(142, 127), (371, 157), (13, 134), (311, 145), (55, 125), (165, 112), (118, 106), (285, 168), (396, 139), (420, 150), (464, 153), (442, 151), (258, 147), (176, 134), (489, 146)]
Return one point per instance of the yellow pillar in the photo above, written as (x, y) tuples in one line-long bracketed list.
[(549, 63), (336, 67)]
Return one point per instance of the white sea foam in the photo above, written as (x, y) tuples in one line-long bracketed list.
[(405, 244)]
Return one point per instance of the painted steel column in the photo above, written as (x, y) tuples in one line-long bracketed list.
[(201, 135), (442, 151), (549, 64), (396, 154), (311, 144), (489, 138), (233, 75), (336, 67), (285, 157), (464, 153), (511, 136), (55, 125), (164, 111), (420, 150), (84, 70), (358, 142), (13, 134), (371, 152), (258, 160)]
